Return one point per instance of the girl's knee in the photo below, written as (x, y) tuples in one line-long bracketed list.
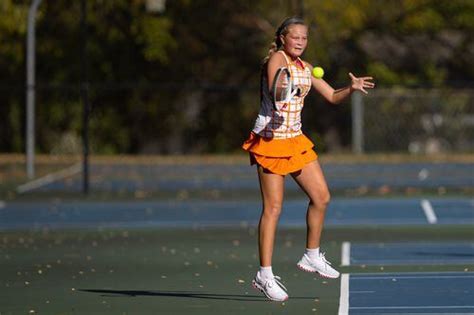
[(321, 201), (326, 198), (272, 210)]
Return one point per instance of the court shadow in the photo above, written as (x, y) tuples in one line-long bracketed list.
[(183, 294)]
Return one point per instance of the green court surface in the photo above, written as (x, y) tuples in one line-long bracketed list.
[(120, 249), (181, 271)]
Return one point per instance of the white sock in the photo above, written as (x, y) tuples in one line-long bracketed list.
[(265, 272), (312, 252)]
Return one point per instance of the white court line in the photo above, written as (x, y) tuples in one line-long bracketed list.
[(409, 307), (346, 254), (48, 179), (395, 276), (2, 204), (344, 296), (429, 212)]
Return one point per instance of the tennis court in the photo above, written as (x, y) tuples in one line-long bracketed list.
[(204, 213), (399, 293), (193, 249)]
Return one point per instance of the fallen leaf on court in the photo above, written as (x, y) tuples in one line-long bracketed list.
[(384, 189), (140, 194)]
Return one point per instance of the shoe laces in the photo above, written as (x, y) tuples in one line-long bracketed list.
[(323, 258), (276, 279)]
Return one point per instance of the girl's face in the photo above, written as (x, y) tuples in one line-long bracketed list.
[(295, 41)]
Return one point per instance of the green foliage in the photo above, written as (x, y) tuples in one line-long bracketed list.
[(187, 80), (154, 34)]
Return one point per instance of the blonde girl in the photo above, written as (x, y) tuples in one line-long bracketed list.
[(279, 148)]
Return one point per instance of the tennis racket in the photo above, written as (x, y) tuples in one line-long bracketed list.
[(282, 89)]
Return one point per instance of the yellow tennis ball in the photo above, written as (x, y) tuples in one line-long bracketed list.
[(318, 72)]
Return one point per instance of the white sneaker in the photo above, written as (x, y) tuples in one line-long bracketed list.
[(319, 265), (272, 288)]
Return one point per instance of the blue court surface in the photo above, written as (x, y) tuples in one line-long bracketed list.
[(452, 211), (200, 213), (412, 253), (166, 177), (408, 293)]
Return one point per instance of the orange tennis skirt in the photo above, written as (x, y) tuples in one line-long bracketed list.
[(280, 156)]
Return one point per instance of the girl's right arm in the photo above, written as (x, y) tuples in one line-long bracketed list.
[(276, 61)]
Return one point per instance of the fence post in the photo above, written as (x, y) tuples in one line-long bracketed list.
[(357, 123), (85, 100), (30, 90)]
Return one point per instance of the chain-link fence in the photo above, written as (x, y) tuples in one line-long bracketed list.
[(414, 120)]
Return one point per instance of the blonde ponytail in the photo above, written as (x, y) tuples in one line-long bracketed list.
[(273, 49)]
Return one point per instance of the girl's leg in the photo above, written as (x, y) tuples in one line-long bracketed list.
[(311, 180), (313, 183), (271, 188)]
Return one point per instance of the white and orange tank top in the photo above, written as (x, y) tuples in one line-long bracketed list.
[(286, 122)]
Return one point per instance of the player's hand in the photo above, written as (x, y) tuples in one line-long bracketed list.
[(361, 84)]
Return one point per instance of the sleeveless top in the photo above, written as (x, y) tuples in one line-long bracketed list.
[(286, 122)]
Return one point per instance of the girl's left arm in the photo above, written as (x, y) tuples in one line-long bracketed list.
[(336, 96)]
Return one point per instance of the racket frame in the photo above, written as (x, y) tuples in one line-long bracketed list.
[(290, 91)]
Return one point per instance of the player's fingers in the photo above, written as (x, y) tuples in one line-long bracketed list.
[(369, 84), (367, 78), (352, 76), (364, 91)]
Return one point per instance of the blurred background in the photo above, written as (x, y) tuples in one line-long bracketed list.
[(124, 190), (148, 78)]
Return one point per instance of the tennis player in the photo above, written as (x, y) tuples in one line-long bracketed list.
[(278, 148)]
